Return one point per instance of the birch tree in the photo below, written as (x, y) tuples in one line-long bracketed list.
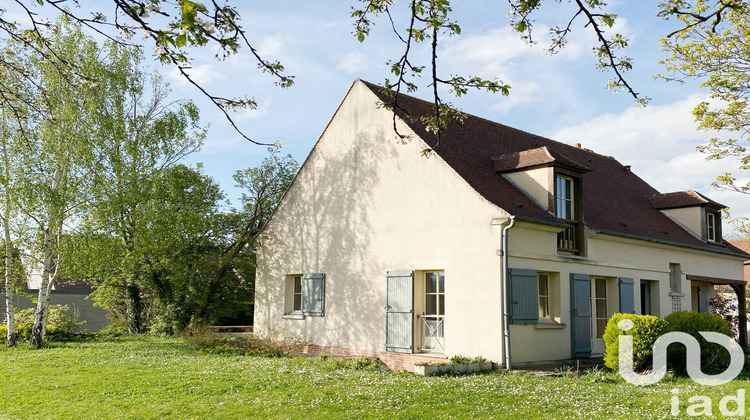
[(8, 248), (55, 157), (14, 108)]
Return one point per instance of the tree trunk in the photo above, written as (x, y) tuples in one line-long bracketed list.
[(42, 308), (9, 321), (135, 309)]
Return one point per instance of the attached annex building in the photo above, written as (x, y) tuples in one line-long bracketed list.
[(376, 250)]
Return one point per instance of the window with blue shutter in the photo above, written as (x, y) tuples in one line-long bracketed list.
[(627, 295), (313, 294), (524, 304)]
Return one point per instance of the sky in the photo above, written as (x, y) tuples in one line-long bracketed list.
[(561, 96)]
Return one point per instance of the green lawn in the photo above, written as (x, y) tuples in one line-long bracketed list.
[(151, 377)]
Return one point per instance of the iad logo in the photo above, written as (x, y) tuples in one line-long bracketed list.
[(693, 357)]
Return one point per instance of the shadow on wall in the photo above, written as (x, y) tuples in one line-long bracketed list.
[(327, 227), (96, 318)]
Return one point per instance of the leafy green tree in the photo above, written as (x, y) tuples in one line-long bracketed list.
[(263, 186), (15, 106), (149, 275), (714, 49), (139, 135), (53, 172)]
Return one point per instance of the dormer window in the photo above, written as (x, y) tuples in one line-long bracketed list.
[(693, 211), (554, 182), (568, 210), (711, 227), (564, 197)]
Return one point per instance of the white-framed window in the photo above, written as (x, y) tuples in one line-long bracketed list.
[(297, 294), (434, 293), (711, 227), (544, 293), (564, 196), (600, 310), (432, 320), (304, 295), (570, 240)]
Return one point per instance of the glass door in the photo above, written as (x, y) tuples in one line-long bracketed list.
[(432, 327), (600, 316)]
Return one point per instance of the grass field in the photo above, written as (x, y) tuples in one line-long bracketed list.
[(148, 377)]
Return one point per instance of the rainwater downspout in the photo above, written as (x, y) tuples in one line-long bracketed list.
[(504, 278)]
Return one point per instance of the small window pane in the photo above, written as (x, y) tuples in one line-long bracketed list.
[(431, 305), (431, 283), (601, 308), (711, 226), (543, 285), (297, 302), (297, 285), (543, 307), (601, 288), (442, 306), (441, 282)]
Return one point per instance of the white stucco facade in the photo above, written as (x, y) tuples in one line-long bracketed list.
[(365, 203)]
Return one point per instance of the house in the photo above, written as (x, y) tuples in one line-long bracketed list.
[(73, 293), (376, 250)]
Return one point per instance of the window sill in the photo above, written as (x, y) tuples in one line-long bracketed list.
[(292, 316), (545, 324)]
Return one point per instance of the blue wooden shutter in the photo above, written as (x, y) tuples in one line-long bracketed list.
[(399, 309), (580, 314), (627, 295), (313, 294), (524, 296)]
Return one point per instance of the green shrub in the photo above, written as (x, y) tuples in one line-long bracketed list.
[(60, 323), (458, 359), (646, 329), (358, 363), (205, 339), (712, 354)]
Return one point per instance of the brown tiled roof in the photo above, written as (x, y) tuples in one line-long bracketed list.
[(535, 157), (72, 285), (615, 199), (678, 199)]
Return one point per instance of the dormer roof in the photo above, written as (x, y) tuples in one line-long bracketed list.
[(534, 158), (682, 199)]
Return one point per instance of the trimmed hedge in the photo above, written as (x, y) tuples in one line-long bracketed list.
[(692, 323), (646, 329)]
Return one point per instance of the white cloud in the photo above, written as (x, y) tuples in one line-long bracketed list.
[(353, 63), (659, 143), (260, 111), (201, 74), (270, 46)]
